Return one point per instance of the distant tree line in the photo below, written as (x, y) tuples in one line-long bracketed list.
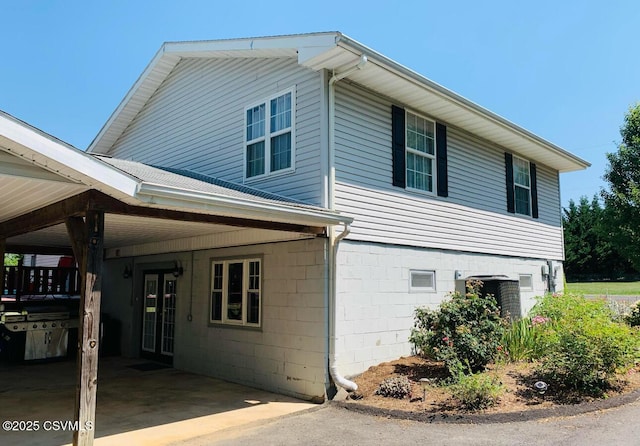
[(602, 236)]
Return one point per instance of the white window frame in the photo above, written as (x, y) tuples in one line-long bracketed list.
[(528, 277), (431, 158), (522, 186), (268, 134), (415, 289), (245, 291)]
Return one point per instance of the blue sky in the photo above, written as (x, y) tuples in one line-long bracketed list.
[(565, 70)]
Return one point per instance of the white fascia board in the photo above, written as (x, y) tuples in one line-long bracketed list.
[(166, 196), (147, 83), (40, 149), (391, 65), (208, 48)]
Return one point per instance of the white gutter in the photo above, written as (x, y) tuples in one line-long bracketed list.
[(334, 240), (236, 207)]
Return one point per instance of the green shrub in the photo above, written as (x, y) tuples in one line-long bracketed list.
[(476, 391), (464, 332), (396, 387), (521, 340), (583, 346), (633, 318)]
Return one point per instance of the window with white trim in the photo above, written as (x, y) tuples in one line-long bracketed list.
[(420, 153), (522, 186), (269, 139), (236, 292), (424, 281)]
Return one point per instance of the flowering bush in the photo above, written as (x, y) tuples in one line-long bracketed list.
[(583, 346), (633, 318), (464, 332)]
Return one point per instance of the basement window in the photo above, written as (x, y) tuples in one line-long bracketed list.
[(422, 281), (526, 282)]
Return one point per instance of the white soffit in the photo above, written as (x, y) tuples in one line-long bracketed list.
[(44, 152)]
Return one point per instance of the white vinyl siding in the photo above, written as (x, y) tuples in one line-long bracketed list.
[(195, 120), (472, 219)]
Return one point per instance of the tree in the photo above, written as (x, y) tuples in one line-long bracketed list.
[(623, 200), (589, 253), (12, 259)]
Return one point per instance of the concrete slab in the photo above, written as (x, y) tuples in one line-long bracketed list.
[(153, 407)]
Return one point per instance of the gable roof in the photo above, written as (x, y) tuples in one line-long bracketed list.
[(337, 52)]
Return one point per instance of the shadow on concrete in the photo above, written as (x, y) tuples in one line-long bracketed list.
[(149, 406)]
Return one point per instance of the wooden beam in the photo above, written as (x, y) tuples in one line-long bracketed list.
[(51, 215), (57, 213), (78, 236), (112, 206), (89, 331)]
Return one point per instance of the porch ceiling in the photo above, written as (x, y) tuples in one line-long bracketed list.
[(123, 230)]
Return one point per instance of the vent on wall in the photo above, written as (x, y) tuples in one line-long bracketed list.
[(422, 281)]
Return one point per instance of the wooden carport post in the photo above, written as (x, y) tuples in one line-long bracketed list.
[(3, 249), (87, 239)]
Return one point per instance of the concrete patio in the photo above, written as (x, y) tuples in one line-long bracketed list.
[(152, 406)]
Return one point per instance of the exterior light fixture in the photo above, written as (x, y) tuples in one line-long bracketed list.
[(541, 387), (424, 383), (127, 272), (177, 270)]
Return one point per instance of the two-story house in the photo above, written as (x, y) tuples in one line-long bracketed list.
[(348, 190)]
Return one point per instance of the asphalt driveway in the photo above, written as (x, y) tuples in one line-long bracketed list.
[(331, 425)]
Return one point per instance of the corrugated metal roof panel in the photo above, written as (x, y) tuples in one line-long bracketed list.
[(190, 180)]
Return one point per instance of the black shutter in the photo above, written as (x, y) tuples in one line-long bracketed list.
[(534, 190), (508, 168), (398, 146), (441, 160)]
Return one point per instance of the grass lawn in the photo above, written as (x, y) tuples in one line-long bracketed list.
[(604, 288)]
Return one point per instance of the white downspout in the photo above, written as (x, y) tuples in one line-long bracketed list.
[(334, 240)]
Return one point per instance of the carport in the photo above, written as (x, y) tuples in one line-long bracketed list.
[(57, 199), (139, 403)]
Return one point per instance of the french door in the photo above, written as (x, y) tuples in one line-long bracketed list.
[(159, 316)]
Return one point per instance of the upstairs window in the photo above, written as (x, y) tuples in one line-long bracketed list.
[(522, 186), (269, 136), (419, 153)]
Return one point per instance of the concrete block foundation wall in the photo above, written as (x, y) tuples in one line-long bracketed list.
[(288, 353), (375, 306)]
